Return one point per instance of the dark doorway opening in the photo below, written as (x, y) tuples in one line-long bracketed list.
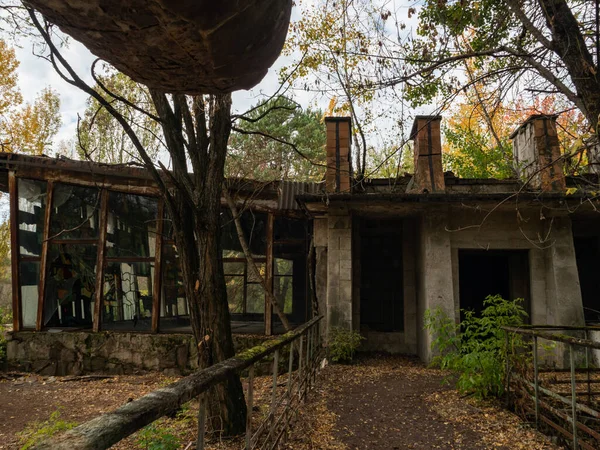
[(492, 272), (587, 253), (381, 288)]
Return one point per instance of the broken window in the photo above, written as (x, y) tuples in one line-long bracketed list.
[(131, 226), (70, 285), (174, 310), (75, 212), (127, 297), (31, 203)]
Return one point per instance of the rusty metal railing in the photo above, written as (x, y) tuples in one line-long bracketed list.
[(553, 357), (305, 352)]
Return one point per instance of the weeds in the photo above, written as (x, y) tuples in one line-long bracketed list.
[(36, 432)]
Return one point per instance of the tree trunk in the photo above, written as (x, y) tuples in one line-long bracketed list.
[(194, 208)]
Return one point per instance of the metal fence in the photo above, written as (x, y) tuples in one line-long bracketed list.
[(304, 354), (550, 379)]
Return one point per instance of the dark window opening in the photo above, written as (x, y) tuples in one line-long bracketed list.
[(587, 252), (492, 272), (381, 278)]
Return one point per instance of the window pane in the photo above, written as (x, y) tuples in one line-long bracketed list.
[(174, 310), (74, 212), (254, 225), (29, 277), (32, 207), (284, 266), (131, 225), (70, 284), (252, 278), (234, 268), (255, 299), (235, 294), (284, 293), (127, 296), (289, 229)]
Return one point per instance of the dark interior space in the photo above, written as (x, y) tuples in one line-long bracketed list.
[(381, 287), (587, 253), (492, 272)]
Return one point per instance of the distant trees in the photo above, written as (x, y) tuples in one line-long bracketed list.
[(25, 127), (278, 140)]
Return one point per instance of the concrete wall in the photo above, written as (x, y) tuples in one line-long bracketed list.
[(320, 230), (434, 274), (339, 268)]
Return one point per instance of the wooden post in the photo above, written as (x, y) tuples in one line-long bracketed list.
[(44, 257), (269, 275), (157, 282), (14, 254), (100, 260)]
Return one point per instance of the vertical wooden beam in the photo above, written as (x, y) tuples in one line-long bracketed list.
[(269, 275), (14, 250), (44, 257), (157, 282), (100, 260)]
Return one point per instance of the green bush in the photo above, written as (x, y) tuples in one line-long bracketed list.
[(36, 432), (343, 344), (476, 349), (5, 318), (156, 437)]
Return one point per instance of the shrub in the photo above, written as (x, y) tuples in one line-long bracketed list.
[(156, 437), (36, 432), (5, 318), (343, 344), (476, 349)]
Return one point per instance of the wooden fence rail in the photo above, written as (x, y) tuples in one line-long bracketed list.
[(106, 430)]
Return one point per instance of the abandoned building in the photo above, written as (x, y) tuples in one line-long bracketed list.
[(92, 250)]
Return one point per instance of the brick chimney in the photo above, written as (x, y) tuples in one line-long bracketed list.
[(429, 175), (536, 153), (339, 163)]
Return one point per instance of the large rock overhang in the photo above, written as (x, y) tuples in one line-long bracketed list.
[(178, 46)]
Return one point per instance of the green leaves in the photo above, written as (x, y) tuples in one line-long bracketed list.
[(476, 349), (343, 344)]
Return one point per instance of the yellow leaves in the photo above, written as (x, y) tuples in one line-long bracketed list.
[(32, 127), (571, 191), (27, 128)]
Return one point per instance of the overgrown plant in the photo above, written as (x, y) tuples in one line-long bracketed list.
[(343, 344), (476, 348), (157, 437), (36, 432), (5, 318)]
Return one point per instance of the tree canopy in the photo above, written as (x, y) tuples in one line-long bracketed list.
[(25, 127), (278, 140)]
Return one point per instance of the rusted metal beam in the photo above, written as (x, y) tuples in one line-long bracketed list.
[(269, 275), (44, 257), (98, 294), (157, 282), (15, 251)]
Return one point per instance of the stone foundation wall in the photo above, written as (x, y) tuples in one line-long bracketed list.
[(75, 353)]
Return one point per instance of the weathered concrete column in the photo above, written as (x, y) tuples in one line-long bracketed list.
[(434, 274), (320, 236), (339, 268), (565, 304)]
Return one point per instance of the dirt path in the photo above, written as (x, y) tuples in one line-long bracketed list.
[(396, 403), (33, 398)]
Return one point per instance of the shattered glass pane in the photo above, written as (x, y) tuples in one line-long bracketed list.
[(131, 225), (32, 209), (74, 212)]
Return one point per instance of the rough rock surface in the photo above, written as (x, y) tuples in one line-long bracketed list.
[(183, 46)]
